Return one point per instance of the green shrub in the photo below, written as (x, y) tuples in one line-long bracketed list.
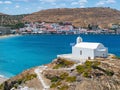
[(16, 83), (54, 85), (24, 79), (65, 87), (80, 69), (68, 63), (92, 63), (71, 79), (63, 76), (58, 78), (86, 74), (96, 63), (55, 79), (57, 66), (86, 69), (109, 73), (27, 78), (63, 63), (19, 81), (1, 87), (88, 63)]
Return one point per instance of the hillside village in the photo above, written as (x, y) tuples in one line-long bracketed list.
[(65, 28), (96, 20), (58, 28)]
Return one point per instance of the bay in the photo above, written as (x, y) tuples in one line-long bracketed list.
[(23, 52)]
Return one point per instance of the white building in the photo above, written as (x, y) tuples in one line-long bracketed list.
[(86, 50)]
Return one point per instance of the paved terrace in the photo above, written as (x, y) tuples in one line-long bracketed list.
[(71, 57)]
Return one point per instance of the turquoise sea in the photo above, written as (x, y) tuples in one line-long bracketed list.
[(22, 52)]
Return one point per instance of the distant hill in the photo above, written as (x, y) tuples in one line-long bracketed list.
[(103, 17), (1, 14), (10, 20)]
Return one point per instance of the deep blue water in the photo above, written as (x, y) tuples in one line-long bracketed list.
[(23, 52)]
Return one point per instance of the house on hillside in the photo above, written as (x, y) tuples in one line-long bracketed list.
[(118, 31), (83, 51)]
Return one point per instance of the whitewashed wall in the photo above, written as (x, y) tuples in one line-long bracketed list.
[(85, 53), (101, 53)]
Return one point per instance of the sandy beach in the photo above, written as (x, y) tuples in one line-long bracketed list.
[(6, 36)]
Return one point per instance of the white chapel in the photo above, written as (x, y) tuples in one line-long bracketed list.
[(86, 50)]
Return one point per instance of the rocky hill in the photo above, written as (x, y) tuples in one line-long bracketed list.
[(99, 74), (2, 14), (103, 17), (10, 20)]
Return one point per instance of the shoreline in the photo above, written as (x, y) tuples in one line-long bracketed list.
[(2, 79), (6, 36)]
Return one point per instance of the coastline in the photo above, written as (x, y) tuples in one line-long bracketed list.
[(6, 36), (2, 79)]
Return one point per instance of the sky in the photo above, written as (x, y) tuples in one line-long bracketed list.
[(16, 7)]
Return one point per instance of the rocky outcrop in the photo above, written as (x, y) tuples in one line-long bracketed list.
[(99, 74)]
